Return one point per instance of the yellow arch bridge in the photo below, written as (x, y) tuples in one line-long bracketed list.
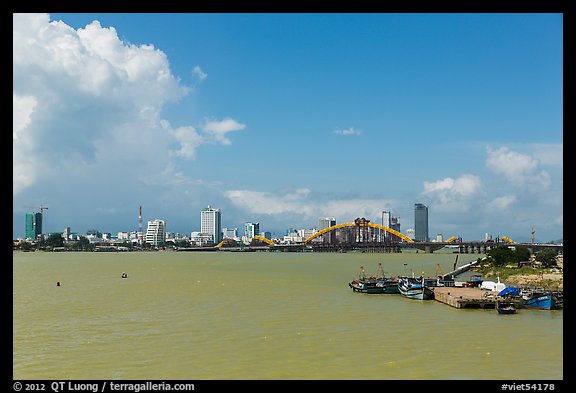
[(354, 224)]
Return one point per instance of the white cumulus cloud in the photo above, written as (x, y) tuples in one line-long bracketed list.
[(218, 129), (85, 100), (453, 194), (519, 169), (299, 202)]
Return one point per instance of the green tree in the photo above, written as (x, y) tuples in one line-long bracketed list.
[(522, 254), (547, 258), (83, 245), (501, 256), (54, 240)]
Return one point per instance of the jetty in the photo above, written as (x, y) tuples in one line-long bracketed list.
[(461, 297)]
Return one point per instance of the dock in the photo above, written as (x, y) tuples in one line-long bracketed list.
[(461, 297)]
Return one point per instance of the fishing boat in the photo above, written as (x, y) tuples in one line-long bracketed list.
[(414, 288), (505, 306), (539, 299), (374, 284), (388, 284), (364, 284)]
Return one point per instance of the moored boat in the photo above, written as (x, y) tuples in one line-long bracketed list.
[(505, 306), (415, 288), (542, 300), (388, 285), (365, 286), (374, 284)]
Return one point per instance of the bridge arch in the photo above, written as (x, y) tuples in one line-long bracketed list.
[(353, 224), (267, 241)]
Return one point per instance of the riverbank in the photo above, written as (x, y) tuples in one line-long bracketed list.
[(547, 280)]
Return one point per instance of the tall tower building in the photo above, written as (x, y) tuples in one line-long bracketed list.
[(421, 223), (156, 232), (210, 223), (327, 222), (33, 225)]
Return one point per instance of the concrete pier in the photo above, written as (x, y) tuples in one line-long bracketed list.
[(458, 297)]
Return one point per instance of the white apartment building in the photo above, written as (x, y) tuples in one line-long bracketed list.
[(156, 232), (210, 223)]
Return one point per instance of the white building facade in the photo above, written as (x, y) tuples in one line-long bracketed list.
[(210, 223), (156, 232)]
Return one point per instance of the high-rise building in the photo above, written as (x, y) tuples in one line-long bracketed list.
[(156, 232), (421, 223), (386, 222), (33, 225), (251, 229), (210, 223), (327, 222)]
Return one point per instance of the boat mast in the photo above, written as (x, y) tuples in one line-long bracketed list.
[(380, 270), (362, 274)]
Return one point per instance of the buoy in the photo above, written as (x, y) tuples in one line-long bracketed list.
[(124, 275), (58, 283)]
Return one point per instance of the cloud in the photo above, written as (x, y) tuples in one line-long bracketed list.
[(300, 203), (189, 140), (258, 202), (453, 194), (23, 163), (199, 73), (348, 131), (503, 202), (551, 154), (85, 101), (217, 129), (519, 169)]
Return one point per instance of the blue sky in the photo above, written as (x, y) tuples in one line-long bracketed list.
[(284, 118)]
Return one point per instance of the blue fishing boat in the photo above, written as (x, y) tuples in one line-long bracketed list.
[(542, 300), (415, 288)]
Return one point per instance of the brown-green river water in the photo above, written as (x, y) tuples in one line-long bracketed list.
[(259, 315)]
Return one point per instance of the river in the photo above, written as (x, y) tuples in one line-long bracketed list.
[(260, 315)]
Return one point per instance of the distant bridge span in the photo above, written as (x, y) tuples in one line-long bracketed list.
[(353, 224)]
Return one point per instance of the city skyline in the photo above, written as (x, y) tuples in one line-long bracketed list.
[(281, 119), (210, 227)]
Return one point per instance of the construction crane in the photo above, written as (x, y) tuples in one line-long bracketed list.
[(42, 208)]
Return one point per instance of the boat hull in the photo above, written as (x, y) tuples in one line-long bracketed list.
[(374, 286), (389, 286), (418, 294), (543, 302), (505, 307), (372, 289), (505, 310), (414, 290)]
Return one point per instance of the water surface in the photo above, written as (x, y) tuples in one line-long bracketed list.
[(260, 315)]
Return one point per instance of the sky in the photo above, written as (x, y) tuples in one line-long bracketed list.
[(282, 119)]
